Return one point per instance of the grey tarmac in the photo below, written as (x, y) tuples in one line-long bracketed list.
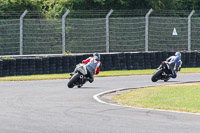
[(48, 106)]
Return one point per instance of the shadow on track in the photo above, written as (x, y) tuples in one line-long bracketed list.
[(86, 88)]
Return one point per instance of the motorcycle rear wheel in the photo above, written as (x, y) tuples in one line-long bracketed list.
[(156, 75), (73, 80)]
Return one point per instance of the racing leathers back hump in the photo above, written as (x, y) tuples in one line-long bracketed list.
[(92, 65)]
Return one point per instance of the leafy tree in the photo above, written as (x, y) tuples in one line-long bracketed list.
[(19, 5), (56, 8)]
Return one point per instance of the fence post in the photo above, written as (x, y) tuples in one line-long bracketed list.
[(107, 31), (21, 31), (189, 30), (147, 30), (63, 30)]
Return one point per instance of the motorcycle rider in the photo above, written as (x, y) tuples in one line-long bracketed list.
[(92, 66), (174, 63)]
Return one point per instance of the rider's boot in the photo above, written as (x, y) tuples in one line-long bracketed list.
[(165, 80), (71, 74), (90, 80)]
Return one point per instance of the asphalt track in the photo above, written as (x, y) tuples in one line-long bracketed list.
[(51, 107)]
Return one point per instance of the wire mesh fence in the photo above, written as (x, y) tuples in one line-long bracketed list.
[(127, 34), (168, 34), (9, 36), (195, 40), (85, 35), (87, 31), (42, 36)]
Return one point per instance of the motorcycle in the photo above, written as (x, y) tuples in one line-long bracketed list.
[(78, 78), (162, 73)]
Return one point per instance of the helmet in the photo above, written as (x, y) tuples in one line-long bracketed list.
[(96, 55), (178, 54)]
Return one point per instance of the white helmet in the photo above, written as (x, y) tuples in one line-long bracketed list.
[(178, 54), (97, 56)]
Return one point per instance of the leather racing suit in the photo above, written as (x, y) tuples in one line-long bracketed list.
[(92, 66), (174, 63)]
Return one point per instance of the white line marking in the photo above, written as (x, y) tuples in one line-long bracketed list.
[(112, 104)]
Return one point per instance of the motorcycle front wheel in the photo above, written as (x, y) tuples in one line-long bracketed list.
[(73, 80), (156, 75)]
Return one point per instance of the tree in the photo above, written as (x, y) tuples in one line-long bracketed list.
[(56, 8)]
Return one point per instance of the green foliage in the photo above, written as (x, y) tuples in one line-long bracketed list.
[(37, 57), (7, 58), (67, 53), (56, 8), (19, 5), (53, 8)]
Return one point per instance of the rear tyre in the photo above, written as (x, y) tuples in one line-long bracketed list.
[(73, 80), (156, 75)]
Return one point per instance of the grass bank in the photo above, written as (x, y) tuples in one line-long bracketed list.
[(102, 74), (179, 97)]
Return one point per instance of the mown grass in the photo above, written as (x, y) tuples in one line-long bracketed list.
[(102, 74), (183, 97)]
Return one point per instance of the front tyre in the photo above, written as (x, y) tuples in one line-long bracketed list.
[(156, 75), (73, 80)]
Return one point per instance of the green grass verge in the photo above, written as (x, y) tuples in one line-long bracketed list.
[(102, 74), (179, 97)]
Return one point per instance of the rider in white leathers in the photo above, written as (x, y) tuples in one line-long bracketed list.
[(174, 63)]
